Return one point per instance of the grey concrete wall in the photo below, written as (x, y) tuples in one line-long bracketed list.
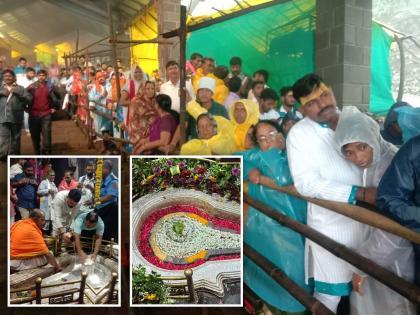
[(343, 40), (168, 19)]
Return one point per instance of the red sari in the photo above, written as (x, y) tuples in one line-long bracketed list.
[(141, 113)]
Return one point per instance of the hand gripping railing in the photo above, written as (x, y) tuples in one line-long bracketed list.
[(403, 287)]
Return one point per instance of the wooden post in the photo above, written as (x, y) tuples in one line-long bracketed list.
[(112, 287), (77, 44), (399, 285), (114, 51), (182, 61), (38, 282), (82, 287), (289, 285), (111, 248), (92, 245), (402, 67), (88, 118), (66, 62), (190, 283)]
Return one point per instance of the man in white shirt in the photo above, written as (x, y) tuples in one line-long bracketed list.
[(16, 168), (269, 99), (87, 187), (319, 171), (28, 78), (65, 207), (171, 87), (25, 81)]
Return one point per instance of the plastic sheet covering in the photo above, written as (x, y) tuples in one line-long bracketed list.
[(395, 254), (281, 245), (222, 143), (409, 121)]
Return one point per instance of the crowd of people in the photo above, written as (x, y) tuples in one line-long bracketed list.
[(296, 135), (67, 209), (147, 112)]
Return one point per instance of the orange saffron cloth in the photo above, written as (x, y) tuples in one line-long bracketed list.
[(26, 240)]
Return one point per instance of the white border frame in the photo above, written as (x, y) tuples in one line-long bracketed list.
[(119, 230), (241, 222)]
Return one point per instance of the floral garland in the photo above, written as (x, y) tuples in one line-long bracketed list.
[(209, 177), (98, 181), (145, 233)]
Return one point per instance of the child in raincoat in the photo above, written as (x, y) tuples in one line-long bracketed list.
[(358, 138)]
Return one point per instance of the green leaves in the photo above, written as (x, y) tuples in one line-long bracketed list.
[(152, 175), (178, 227), (148, 288)]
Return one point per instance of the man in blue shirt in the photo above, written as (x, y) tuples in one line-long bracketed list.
[(87, 225), (108, 198), (26, 188), (20, 69)]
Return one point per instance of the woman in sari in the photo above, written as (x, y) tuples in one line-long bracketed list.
[(162, 129), (142, 112), (137, 78)]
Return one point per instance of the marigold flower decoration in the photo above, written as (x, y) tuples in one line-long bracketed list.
[(98, 181)]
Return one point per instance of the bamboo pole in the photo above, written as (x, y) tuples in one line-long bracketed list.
[(77, 44), (224, 18), (402, 68), (354, 212), (82, 287), (142, 41), (281, 278), (114, 51), (88, 46), (399, 285)]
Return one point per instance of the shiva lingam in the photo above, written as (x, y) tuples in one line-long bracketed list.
[(183, 238)]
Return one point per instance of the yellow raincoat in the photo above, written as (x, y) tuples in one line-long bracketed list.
[(241, 130), (221, 144), (221, 91)]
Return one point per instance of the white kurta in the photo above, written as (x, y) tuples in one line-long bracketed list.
[(319, 171), (46, 198), (61, 214)]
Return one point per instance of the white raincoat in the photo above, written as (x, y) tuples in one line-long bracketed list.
[(319, 171), (388, 250)]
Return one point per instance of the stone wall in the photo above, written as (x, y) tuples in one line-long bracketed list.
[(343, 40), (168, 19)]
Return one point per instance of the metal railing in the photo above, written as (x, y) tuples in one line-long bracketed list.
[(67, 296), (187, 288)]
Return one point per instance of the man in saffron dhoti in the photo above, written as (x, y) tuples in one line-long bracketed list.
[(27, 246)]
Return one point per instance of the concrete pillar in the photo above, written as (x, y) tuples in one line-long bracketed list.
[(343, 41), (168, 19)]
